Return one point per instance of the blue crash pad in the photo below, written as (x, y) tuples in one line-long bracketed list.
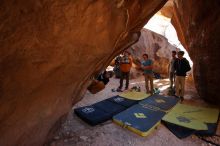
[(164, 103), (103, 110), (139, 118)]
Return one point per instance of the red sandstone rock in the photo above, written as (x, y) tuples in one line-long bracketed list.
[(50, 50), (197, 23)]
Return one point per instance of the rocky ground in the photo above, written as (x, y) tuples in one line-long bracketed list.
[(75, 132)]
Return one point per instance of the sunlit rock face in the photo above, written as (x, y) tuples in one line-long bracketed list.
[(197, 23), (50, 50), (167, 9), (156, 46)]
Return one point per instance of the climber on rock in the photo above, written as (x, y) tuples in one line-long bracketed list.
[(99, 83)]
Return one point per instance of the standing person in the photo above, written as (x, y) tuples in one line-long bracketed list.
[(125, 67), (147, 66), (181, 66), (171, 69), (116, 68)]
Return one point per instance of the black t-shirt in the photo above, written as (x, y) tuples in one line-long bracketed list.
[(102, 78), (181, 66)]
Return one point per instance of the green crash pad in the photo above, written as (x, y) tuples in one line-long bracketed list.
[(134, 95), (192, 117)]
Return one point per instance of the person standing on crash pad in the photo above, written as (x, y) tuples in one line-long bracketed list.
[(125, 67), (147, 66), (181, 66)]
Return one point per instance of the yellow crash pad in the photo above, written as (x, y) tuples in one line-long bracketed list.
[(192, 117), (134, 95)]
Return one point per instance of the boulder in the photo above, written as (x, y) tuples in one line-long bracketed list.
[(156, 46), (50, 50), (197, 23)]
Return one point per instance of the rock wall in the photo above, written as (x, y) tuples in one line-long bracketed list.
[(197, 23), (156, 46), (49, 51)]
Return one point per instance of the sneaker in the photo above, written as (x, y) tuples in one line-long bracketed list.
[(176, 96), (119, 90), (181, 98)]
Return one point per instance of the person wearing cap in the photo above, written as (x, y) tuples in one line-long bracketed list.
[(181, 66)]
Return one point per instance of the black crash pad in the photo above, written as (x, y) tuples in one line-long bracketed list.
[(109, 107), (103, 110), (178, 131), (123, 101), (92, 115), (183, 132)]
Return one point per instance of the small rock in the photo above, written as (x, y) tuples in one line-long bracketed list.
[(53, 144), (72, 134), (71, 139), (56, 138), (84, 138), (65, 140)]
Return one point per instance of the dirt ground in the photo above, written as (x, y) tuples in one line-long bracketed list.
[(75, 132)]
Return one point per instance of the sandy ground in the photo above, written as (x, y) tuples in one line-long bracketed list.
[(75, 132)]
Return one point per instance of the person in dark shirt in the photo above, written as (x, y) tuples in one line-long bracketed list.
[(104, 77), (171, 69), (99, 83), (181, 66)]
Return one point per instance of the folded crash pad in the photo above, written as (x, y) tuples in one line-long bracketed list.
[(182, 132), (103, 110), (134, 95), (179, 131), (212, 127), (163, 102), (192, 117), (109, 107), (139, 119), (123, 101), (92, 115)]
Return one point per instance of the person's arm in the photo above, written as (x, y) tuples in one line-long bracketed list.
[(188, 68), (149, 66), (175, 65), (169, 67), (130, 61)]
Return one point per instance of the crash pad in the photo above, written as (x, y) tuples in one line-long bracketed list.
[(163, 102), (192, 117), (109, 107), (104, 110), (179, 131), (92, 115), (182, 132), (134, 95), (123, 101), (139, 119), (212, 127)]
